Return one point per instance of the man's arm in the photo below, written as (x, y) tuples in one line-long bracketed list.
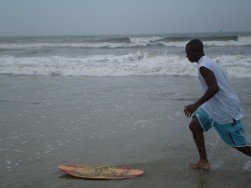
[(213, 88)]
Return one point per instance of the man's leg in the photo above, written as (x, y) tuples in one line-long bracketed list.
[(198, 136)]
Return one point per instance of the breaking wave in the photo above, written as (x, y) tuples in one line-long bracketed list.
[(151, 63), (127, 42)]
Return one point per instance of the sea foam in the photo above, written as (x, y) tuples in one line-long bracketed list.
[(149, 63)]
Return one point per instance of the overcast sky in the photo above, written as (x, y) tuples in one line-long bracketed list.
[(92, 17)]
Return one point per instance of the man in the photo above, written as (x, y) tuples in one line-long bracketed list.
[(219, 107)]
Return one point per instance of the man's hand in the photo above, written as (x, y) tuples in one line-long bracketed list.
[(190, 109)]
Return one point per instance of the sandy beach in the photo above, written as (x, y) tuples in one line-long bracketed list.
[(134, 121)]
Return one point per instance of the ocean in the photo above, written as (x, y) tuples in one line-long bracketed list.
[(121, 55), (114, 100)]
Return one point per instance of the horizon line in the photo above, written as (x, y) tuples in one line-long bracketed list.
[(128, 34)]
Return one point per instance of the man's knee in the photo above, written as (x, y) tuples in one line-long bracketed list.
[(195, 126)]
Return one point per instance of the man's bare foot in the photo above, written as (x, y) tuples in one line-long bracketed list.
[(201, 165)]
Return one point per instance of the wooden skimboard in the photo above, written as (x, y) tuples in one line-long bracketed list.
[(100, 172)]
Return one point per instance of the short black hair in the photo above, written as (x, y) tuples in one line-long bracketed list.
[(197, 43)]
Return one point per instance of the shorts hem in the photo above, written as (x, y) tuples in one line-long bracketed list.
[(198, 117)]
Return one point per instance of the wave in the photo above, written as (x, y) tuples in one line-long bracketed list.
[(203, 38), (116, 40), (128, 42), (151, 63)]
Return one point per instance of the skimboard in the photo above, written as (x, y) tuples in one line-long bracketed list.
[(100, 172)]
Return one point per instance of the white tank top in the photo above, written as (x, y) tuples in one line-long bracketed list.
[(224, 106)]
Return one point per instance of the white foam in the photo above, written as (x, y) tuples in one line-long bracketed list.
[(143, 41), (124, 65), (244, 39)]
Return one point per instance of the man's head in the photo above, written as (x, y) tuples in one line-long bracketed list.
[(194, 50)]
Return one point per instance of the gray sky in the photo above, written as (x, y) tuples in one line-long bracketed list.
[(85, 17)]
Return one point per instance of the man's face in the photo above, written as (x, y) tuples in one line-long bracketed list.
[(191, 53)]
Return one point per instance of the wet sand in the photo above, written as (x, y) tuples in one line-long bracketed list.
[(135, 121)]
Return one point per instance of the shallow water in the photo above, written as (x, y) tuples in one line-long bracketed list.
[(135, 121)]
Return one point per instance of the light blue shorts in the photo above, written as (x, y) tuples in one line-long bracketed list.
[(233, 134)]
